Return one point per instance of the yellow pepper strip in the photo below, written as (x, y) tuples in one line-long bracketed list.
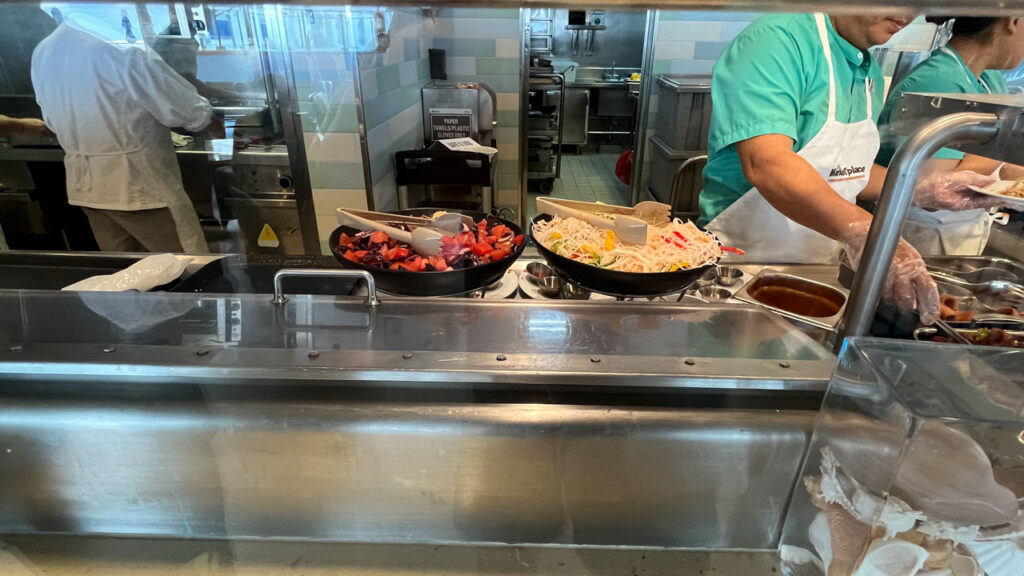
[(556, 235), (609, 240), (587, 248)]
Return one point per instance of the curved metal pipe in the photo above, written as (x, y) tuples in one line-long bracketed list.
[(893, 204)]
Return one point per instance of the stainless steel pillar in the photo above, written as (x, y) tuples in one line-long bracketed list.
[(897, 195)]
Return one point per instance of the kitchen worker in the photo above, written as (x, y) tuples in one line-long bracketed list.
[(111, 108), (969, 64), (793, 142)]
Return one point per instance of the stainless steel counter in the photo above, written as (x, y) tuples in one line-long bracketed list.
[(443, 421)]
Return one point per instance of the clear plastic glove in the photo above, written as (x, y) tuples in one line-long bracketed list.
[(948, 191), (908, 283)]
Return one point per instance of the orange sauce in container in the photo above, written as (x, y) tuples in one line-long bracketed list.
[(796, 297)]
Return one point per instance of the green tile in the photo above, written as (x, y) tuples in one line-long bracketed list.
[(497, 66), (346, 175), (508, 118), (662, 66), (422, 69), (386, 106), (388, 79)]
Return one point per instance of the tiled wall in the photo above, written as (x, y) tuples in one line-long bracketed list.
[(391, 83), (688, 43), (483, 45)]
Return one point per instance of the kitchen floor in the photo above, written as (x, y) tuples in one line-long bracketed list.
[(587, 177)]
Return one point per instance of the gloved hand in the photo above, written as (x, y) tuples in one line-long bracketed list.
[(908, 283), (948, 191)]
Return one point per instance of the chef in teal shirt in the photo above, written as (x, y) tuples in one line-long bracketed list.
[(970, 63), (792, 146)]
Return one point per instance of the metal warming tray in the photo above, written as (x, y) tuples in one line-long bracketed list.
[(784, 294)]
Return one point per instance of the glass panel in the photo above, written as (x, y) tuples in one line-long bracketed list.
[(917, 448), (401, 325)]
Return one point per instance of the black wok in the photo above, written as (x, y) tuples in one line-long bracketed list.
[(613, 282), (445, 283)]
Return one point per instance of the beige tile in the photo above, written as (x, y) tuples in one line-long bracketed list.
[(327, 200), (507, 101), (507, 48)]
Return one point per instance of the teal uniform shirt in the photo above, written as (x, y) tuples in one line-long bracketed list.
[(773, 79), (942, 73)]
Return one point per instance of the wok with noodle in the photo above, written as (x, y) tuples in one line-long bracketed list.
[(594, 267)]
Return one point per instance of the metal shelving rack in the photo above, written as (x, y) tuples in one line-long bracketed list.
[(544, 132)]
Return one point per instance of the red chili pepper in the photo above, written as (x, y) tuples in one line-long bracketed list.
[(679, 235), (667, 241), (678, 245), (733, 250)]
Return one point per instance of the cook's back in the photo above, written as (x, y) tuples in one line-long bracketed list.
[(85, 91)]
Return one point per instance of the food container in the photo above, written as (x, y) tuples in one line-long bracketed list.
[(976, 336), (814, 303), (914, 466), (977, 268)]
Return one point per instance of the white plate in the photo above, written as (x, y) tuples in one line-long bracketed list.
[(506, 287), (996, 190)]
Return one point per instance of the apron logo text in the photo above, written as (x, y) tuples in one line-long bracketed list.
[(848, 171)]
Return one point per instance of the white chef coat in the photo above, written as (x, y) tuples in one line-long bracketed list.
[(110, 107)]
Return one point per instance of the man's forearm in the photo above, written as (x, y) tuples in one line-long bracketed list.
[(797, 190)]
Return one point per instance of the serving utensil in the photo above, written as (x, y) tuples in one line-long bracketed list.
[(979, 275), (627, 227), (951, 332), (424, 241), (448, 222), (993, 294)]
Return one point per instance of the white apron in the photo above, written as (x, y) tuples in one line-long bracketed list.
[(842, 153), (944, 232)]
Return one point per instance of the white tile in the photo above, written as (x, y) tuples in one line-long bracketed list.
[(507, 47), (508, 101), (674, 49), (333, 147), (696, 31), (407, 73)]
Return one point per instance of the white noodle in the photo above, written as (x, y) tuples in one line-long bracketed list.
[(665, 251)]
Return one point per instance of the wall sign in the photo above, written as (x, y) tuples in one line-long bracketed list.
[(446, 123)]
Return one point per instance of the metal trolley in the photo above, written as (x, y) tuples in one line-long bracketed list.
[(544, 128)]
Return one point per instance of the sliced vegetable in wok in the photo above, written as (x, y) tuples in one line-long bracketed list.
[(488, 241)]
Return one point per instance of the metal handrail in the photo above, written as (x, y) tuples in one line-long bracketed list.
[(371, 286), (677, 178)]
